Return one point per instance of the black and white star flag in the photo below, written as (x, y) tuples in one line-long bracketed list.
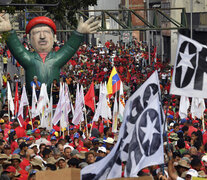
[(140, 137), (189, 76)]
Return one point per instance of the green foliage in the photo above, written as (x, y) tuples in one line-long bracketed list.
[(66, 8), (12, 9), (4, 37)]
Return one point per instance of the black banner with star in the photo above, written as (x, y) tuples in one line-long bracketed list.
[(189, 76), (140, 137)]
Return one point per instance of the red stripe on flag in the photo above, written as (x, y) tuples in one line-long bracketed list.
[(21, 120)]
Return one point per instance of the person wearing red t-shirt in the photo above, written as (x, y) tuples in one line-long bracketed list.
[(107, 44), (98, 125), (205, 138), (15, 160), (36, 133), (77, 143), (26, 161), (12, 137), (20, 131)]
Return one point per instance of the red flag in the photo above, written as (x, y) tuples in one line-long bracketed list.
[(90, 97), (8, 53), (128, 76), (16, 100)]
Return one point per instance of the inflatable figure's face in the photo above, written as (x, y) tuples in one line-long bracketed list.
[(42, 38)]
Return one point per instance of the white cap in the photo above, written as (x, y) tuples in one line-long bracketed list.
[(171, 124), (192, 172), (204, 158), (68, 146), (33, 145), (103, 149), (109, 140)]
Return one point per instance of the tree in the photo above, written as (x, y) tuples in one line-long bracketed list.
[(66, 8)]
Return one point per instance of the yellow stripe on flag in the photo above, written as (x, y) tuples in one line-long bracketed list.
[(109, 84)]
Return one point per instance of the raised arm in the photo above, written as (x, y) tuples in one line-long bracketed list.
[(13, 43), (69, 49)]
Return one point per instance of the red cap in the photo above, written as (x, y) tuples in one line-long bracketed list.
[(37, 131), (91, 138), (83, 149), (145, 170), (195, 121), (11, 169), (40, 20)]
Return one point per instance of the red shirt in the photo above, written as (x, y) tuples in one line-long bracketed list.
[(43, 56), (80, 145), (24, 174), (191, 129), (205, 137), (24, 163), (14, 145), (20, 132), (100, 127)]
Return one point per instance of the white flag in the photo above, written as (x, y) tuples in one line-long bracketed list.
[(58, 111), (197, 108), (121, 102), (10, 99), (103, 109), (107, 105), (43, 99), (115, 116), (50, 112), (183, 108), (34, 112), (77, 94), (67, 103), (23, 102), (190, 69), (78, 114), (100, 110), (140, 140), (42, 106)]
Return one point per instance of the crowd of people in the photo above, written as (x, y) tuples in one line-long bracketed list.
[(26, 150)]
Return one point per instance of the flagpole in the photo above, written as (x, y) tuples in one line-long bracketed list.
[(51, 113), (60, 126), (8, 111), (30, 117), (16, 101), (8, 107), (86, 119), (165, 134), (113, 122), (63, 134), (203, 124), (80, 124), (71, 103), (16, 110), (94, 113)]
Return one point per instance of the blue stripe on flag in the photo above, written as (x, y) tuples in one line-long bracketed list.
[(115, 79)]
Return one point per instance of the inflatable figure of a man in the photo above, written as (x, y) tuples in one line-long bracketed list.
[(44, 63)]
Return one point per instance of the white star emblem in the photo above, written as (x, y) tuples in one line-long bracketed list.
[(149, 130), (185, 61)]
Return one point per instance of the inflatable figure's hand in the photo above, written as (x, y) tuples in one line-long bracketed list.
[(89, 26), (5, 24)]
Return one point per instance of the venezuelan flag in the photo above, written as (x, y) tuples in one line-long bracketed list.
[(114, 81)]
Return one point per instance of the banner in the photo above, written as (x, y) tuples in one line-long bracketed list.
[(140, 137), (189, 76)]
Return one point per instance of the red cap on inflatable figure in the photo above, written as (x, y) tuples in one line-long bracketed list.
[(40, 20)]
